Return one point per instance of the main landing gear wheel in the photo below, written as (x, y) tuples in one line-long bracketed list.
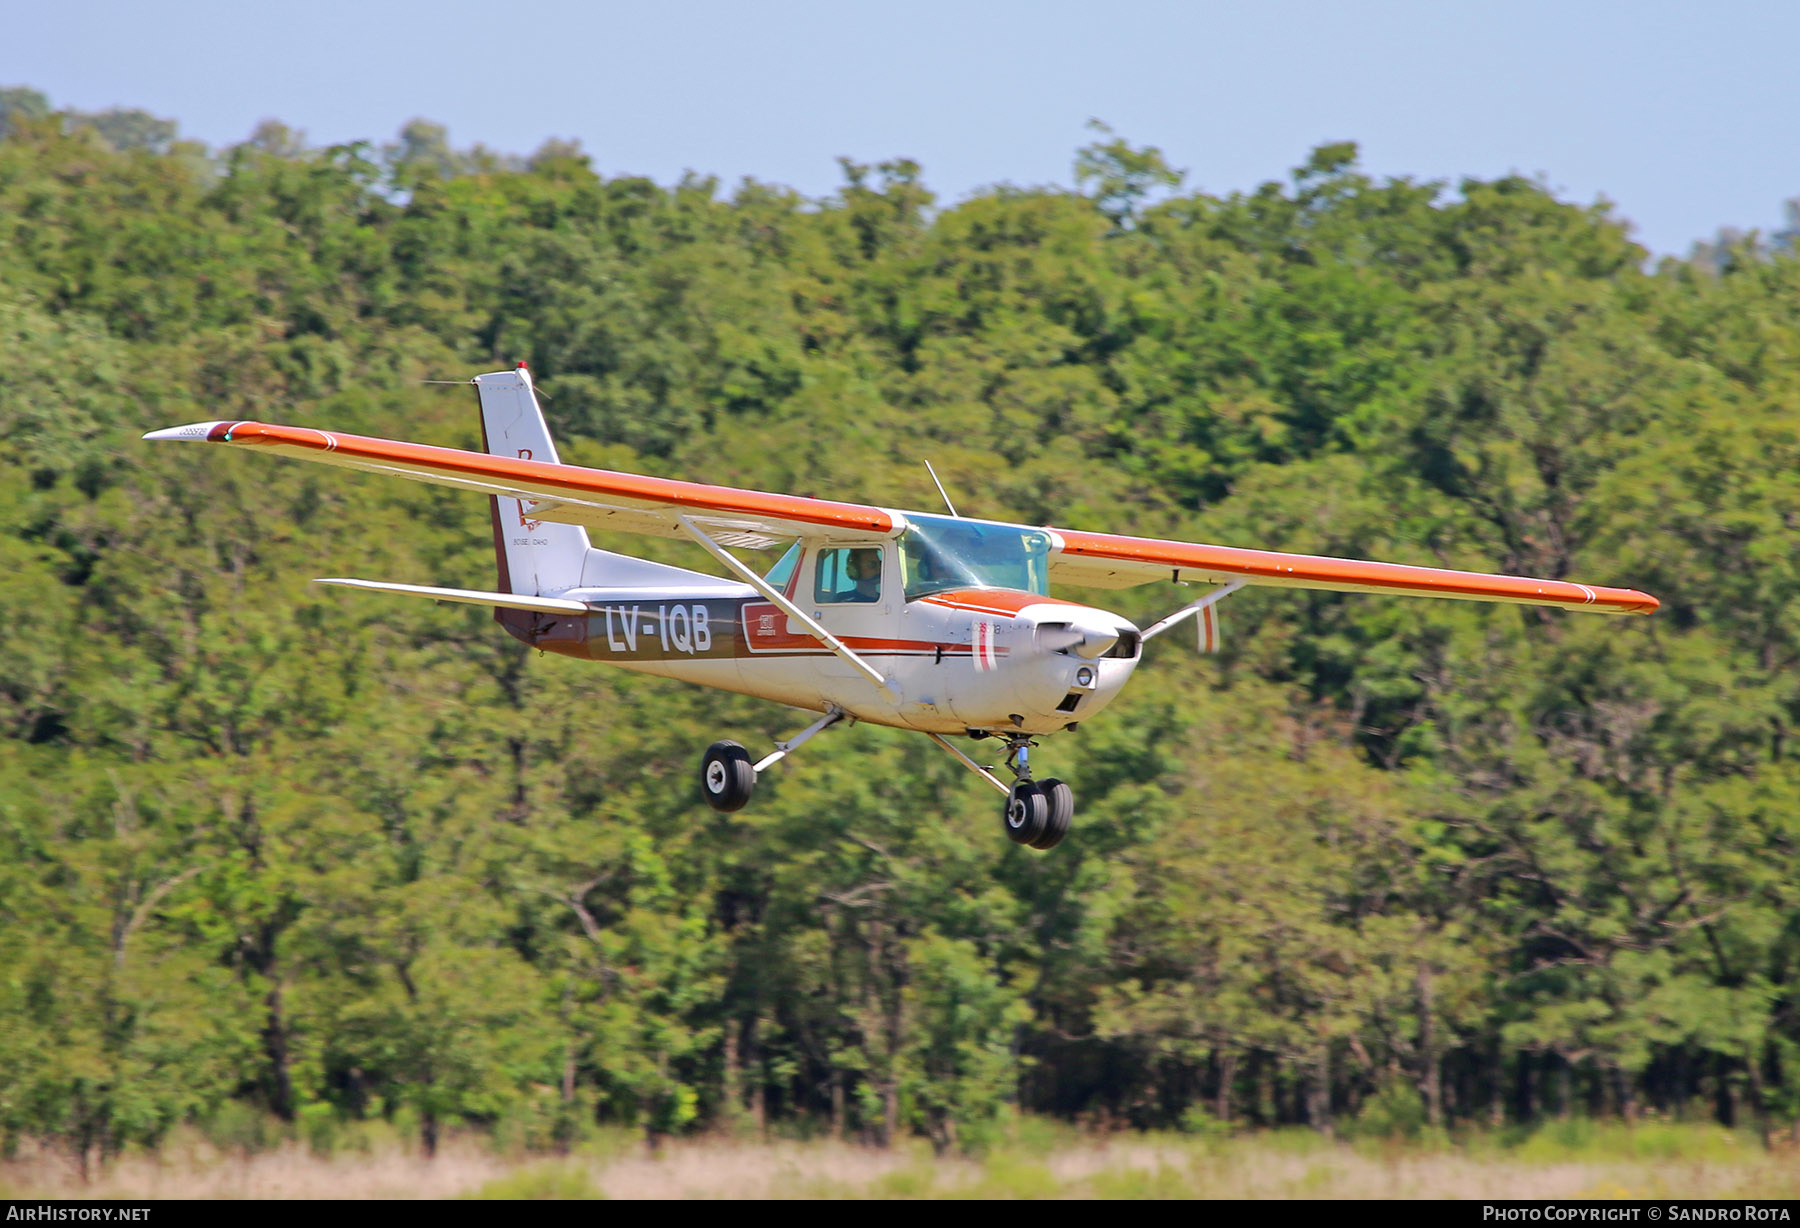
[(1027, 813), (726, 776), (1061, 802)]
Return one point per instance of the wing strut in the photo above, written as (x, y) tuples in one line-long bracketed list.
[(787, 607), (1188, 611)]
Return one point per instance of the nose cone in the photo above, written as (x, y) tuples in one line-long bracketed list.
[(1059, 663), (1084, 657)]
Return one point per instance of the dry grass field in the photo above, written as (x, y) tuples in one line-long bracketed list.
[(1043, 1161)]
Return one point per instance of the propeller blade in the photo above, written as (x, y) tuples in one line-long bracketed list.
[(1088, 642), (1056, 637)]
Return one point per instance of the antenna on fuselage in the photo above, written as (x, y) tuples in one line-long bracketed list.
[(940, 486)]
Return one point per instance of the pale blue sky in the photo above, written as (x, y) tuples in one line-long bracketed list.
[(1683, 114)]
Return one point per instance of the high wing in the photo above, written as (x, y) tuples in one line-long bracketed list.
[(632, 503), (1105, 560), (570, 494)]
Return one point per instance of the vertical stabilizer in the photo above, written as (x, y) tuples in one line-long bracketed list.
[(536, 557)]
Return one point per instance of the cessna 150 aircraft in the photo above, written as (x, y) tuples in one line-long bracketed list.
[(941, 624)]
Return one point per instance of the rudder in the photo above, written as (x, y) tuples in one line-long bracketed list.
[(535, 557)]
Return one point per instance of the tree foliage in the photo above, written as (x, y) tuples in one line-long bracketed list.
[(334, 857)]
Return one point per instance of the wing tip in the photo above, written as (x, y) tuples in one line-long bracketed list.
[(1620, 600)]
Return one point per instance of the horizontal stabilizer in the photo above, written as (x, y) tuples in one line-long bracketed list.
[(508, 601), (193, 432)]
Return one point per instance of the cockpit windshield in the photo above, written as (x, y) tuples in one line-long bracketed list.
[(938, 553)]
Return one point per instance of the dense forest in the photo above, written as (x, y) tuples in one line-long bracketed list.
[(1379, 865)]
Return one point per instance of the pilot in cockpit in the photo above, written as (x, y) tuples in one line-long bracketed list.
[(864, 567)]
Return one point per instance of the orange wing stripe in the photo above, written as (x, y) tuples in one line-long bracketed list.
[(572, 478), (1295, 569), (1300, 569)]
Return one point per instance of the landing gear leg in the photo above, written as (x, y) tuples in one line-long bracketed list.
[(1027, 809), (727, 776), (794, 743), (1037, 813)]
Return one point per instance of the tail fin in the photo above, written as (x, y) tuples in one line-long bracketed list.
[(536, 557)]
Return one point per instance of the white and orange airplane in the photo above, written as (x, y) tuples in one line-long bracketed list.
[(937, 623)]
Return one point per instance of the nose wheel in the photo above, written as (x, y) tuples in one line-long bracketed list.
[(1038, 812), (1061, 801), (1027, 813)]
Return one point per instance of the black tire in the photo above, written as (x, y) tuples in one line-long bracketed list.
[(1027, 810), (726, 776), (1061, 800)]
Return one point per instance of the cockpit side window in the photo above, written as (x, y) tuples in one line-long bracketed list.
[(848, 574)]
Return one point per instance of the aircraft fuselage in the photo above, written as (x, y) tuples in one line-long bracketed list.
[(963, 659)]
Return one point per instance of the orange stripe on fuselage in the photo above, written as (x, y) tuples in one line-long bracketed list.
[(1004, 602)]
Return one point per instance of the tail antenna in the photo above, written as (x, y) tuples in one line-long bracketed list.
[(941, 491), (520, 366)]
